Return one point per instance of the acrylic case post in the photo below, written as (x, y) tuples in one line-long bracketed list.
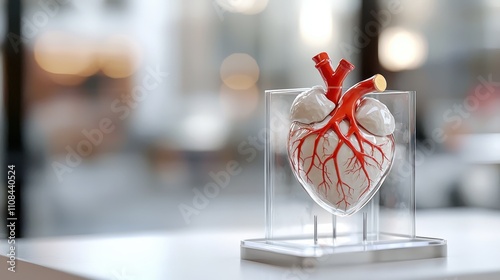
[(300, 232)]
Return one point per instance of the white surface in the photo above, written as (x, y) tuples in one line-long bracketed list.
[(473, 253), (311, 106), (374, 116)]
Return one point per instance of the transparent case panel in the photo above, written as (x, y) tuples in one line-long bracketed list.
[(290, 211)]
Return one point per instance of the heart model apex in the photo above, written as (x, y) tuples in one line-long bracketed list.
[(341, 146)]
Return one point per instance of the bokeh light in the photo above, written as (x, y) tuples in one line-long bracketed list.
[(316, 22), (62, 53), (67, 54), (204, 131), (239, 71), (401, 49)]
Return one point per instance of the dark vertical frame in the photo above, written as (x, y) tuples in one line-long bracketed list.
[(13, 52), (370, 64)]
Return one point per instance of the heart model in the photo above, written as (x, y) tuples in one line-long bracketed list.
[(341, 146)]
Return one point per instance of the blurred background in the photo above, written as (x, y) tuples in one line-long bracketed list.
[(120, 112)]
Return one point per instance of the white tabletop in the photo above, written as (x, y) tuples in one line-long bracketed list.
[(473, 253)]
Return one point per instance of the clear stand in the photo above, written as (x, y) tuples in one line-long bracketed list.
[(299, 232)]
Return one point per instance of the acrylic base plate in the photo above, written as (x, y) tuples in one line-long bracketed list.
[(303, 252)]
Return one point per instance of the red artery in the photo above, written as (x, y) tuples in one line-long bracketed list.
[(333, 79)]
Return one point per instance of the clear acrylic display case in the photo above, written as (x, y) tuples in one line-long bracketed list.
[(298, 231)]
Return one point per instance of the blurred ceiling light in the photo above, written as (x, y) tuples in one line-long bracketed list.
[(204, 131), (119, 57), (400, 49), (316, 22), (249, 7), (61, 53), (239, 71), (239, 104)]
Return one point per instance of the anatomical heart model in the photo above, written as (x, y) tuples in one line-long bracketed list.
[(341, 146)]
